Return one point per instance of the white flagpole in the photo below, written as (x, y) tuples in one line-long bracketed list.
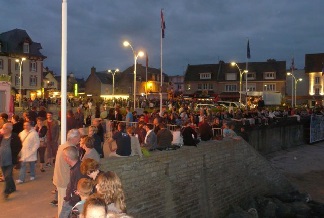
[(64, 71), (161, 77), (246, 73)]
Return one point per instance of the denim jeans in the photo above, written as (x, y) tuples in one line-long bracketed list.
[(66, 210), (22, 172), (9, 181)]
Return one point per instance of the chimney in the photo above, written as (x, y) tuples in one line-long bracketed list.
[(93, 70)]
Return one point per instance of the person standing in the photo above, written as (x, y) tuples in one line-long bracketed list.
[(61, 176), (10, 146), (52, 136), (71, 157), (30, 143), (41, 130), (79, 118)]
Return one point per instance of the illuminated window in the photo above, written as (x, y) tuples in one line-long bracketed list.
[(317, 80), (205, 76), (230, 76), (269, 75), (269, 87), (230, 88)]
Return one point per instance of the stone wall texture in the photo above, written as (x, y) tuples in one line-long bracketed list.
[(198, 181)]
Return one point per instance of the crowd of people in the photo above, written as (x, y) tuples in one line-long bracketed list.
[(81, 188)]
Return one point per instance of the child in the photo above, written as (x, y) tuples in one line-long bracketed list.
[(84, 190)]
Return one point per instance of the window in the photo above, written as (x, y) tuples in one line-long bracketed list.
[(230, 88), (317, 91), (26, 47), (317, 80), (211, 87), (17, 66), (230, 76), (269, 75), (205, 76), (33, 66), (269, 87), (1, 64), (251, 87), (33, 81), (205, 86), (250, 76), (199, 86), (179, 87), (17, 80)]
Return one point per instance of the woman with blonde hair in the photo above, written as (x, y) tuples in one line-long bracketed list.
[(109, 187)]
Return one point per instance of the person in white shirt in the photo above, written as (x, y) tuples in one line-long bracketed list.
[(177, 137)]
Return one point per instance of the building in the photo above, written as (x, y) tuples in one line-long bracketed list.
[(225, 81), (50, 84), (177, 85), (314, 68), (302, 81), (17, 45), (98, 83)]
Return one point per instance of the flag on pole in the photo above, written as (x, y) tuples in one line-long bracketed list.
[(292, 64), (248, 54), (146, 60), (162, 23)]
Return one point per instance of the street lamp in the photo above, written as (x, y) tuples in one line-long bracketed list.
[(20, 62), (241, 75), (292, 88), (113, 72), (136, 55)]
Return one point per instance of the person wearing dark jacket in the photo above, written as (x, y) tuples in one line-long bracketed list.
[(189, 135), (164, 137), (206, 132), (10, 146), (17, 124)]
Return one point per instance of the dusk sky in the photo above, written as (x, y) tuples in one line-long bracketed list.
[(197, 31)]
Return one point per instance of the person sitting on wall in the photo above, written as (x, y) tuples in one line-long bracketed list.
[(150, 141), (205, 130), (189, 135), (164, 137), (123, 142)]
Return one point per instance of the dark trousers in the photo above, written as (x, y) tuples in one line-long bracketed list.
[(9, 181)]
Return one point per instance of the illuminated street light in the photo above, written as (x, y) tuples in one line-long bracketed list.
[(113, 72), (136, 55), (293, 78), (241, 75), (20, 62)]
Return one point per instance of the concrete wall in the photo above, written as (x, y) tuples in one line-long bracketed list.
[(267, 139), (198, 181)]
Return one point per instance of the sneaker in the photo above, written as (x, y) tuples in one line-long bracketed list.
[(32, 178), (48, 164), (54, 202), (18, 181)]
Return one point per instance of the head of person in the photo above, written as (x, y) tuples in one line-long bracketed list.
[(141, 124), (39, 121), (127, 109), (130, 130), (49, 116), (71, 155), (89, 167), (42, 108), (121, 127), (15, 119), (7, 129), (110, 187), (85, 187), (4, 116), (70, 113), (82, 140), (93, 130), (162, 125), (27, 126), (96, 122), (73, 136), (94, 207), (156, 121), (89, 142), (148, 126)]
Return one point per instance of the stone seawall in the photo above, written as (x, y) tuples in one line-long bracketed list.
[(267, 139), (198, 181)]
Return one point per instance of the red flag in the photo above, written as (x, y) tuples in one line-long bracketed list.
[(146, 60), (162, 23)]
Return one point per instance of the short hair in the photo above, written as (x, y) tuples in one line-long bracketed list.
[(88, 165), (121, 125), (49, 112), (94, 129), (4, 116), (15, 117), (149, 125), (93, 201), (72, 134), (40, 119), (130, 130), (10, 126), (71, 152), (89, 142), (85, 187)]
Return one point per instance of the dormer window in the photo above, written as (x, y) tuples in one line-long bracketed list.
[(205, 76), (26, 47), (269, 75)]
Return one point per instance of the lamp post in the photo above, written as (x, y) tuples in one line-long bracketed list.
[(294, 88), (136, 55), (20, 62), (241, 75), (113, 72)]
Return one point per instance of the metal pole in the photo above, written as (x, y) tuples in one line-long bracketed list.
[(241, 73), (295, 92), (20, 97), (113, 74), (292, 88), (64, 71), (135, 57)]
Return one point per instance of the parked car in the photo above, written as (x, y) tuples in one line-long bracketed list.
[(231, 104)]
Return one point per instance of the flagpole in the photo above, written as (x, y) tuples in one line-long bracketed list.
[(146, 76), (64, 71), (246, 72), (161, 76)]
